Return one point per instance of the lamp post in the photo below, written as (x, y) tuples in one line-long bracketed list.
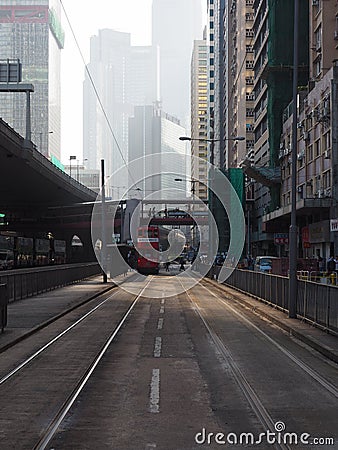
[(103, 220), (293, 224), (41, 133), (211, 184), (212, 143), (193, 229), (192, 184), (71, 158), (78, 168)]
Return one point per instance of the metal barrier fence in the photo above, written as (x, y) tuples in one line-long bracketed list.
[(28, 282), (3, 306), (316, 302)]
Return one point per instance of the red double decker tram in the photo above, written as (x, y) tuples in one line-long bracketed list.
[(149, 238), (148, 235)]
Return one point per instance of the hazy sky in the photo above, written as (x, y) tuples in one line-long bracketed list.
[(86, 18)]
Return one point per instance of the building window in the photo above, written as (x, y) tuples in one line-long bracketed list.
[(317, 148), (327, 179), (318, 38)]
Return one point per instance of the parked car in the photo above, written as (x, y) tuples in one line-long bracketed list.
[(264, 263), (6, 260)]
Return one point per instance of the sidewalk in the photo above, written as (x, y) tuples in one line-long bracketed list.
[(326, 344), (26, 316)]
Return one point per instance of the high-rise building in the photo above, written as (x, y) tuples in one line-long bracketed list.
[(153, 132), (273, 62), (30, 30), (199, 118), (124, 76), (323, 34), (317, 155), (239, 105), (175, 25)]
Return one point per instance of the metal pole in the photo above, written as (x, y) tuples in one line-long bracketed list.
[(248, 234), (293, 225), (103, 220), (28, 116)]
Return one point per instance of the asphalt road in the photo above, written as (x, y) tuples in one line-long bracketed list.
[(187, 370)]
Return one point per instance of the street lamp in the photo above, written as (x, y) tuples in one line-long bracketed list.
[(293, 288), (212, 141), (212, 201), (71, 158), (192, 184), (78, 168), (193, 229)]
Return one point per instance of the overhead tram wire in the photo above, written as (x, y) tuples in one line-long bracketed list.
[(96, 92)]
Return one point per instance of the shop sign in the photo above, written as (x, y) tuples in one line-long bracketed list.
[(334, 225), (306, 237), (319, 232), (281, 238)]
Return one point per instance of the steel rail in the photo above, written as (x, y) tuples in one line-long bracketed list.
[(313, 374), (59, 336), (55, 423), (256, 405)]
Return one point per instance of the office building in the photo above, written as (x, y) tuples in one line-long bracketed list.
[(199, 118), (31, 32), (175, 25), (152, 131), (124, 76)]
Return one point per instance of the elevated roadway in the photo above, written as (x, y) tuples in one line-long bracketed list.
[(29, 182)]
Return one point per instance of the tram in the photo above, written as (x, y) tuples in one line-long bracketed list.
[(157, 237)]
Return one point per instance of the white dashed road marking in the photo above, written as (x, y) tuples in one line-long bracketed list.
[(154, 405), (158, 347)]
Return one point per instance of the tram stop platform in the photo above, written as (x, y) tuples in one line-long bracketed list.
[(26, 316)]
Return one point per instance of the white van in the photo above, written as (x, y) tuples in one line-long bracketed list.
[(264, 263)]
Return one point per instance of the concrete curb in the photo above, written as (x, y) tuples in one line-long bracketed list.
[(44, 324)]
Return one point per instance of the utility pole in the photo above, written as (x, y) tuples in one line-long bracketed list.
[(103, 220), (293, 225)]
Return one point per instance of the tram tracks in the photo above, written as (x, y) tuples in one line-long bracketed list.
[(248, 389), (312, 373), (44, 435)]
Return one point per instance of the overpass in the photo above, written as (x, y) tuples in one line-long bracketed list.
[(29, 182), (31, 187), (37, 197)]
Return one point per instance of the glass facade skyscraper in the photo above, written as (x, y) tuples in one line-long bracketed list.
[(124, 76), (30, 30)]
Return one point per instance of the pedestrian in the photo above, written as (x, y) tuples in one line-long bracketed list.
[(331, 265), (167, 264), (321, 264), (182, 263), (129, 260)]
